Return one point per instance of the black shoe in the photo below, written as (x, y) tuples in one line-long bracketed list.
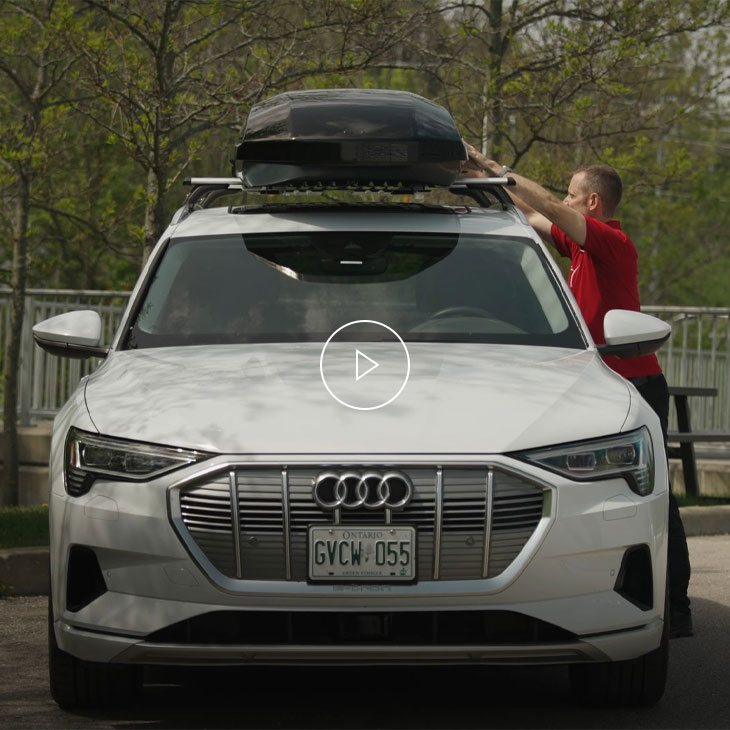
[(680, 624)]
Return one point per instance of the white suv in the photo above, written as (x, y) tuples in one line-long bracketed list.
[(355, 432)]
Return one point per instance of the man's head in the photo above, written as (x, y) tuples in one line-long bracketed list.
[(595, 190)]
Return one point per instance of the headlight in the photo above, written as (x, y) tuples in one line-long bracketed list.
[(628, 455), (90, 457)]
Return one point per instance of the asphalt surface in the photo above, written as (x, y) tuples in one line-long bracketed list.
[(697, 695)]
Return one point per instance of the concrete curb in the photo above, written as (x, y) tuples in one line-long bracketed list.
[(24, 571), (700, 521)]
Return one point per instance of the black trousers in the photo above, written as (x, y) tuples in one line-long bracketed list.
[(656, 393)]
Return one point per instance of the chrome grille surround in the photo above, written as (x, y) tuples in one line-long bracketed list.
[(472, 520)]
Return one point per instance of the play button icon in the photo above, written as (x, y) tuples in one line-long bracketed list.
[(364, 365), (362, 372)]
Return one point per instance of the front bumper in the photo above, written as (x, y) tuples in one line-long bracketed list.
[(564, 575), (120, 649)]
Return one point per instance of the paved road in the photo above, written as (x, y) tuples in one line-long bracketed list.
[(698, 693)]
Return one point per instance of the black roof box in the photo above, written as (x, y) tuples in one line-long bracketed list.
[(347, 137)]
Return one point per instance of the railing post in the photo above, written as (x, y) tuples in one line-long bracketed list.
[(25, 376)]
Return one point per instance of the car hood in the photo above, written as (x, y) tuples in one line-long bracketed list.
[(270, 399)]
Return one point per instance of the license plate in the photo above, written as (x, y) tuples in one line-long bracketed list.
[(363, 554)]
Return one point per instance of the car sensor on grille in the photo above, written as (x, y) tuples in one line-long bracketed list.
[(350, 137)]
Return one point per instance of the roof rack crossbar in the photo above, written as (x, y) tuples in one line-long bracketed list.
[(208, 189), (205, 190), (493, 185), (213, 181)]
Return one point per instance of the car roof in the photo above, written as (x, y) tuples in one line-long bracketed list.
[(292, 218)]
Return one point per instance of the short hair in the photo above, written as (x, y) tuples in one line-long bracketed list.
[(605, 181)]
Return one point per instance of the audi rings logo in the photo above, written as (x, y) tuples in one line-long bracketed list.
[(369, 489)]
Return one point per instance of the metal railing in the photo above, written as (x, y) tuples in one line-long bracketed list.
[(698, 353), (45, 382)]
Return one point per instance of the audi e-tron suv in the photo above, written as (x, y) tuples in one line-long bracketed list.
[(352, 415)]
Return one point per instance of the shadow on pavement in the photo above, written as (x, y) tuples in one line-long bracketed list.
[(436, 697)]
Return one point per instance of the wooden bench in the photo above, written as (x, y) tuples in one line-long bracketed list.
[(686, 438)]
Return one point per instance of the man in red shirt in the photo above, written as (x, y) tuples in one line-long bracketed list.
[(603, 276)]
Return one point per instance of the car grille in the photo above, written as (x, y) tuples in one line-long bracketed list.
[(461, 533)]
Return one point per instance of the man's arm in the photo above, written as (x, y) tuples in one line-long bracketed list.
[(543, 208), (538, 221)]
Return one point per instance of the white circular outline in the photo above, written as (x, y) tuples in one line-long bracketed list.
[(324, 380)]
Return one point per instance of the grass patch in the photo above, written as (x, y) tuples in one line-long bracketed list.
[(685, 501), (23, 526)]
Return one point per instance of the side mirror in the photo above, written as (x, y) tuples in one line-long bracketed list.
[(632, 334), (72, 334)]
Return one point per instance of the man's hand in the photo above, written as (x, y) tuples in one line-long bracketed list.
[(478, 163)]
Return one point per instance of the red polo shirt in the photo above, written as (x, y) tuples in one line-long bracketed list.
[(604, 275)]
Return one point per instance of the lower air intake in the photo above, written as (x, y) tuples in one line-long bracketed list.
[(325, 628)]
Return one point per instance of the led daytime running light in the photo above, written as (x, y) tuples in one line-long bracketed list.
[(103, 456), (629, 455)]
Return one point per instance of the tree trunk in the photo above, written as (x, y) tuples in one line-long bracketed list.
[(11, 471), (494, 100), (154, 216)]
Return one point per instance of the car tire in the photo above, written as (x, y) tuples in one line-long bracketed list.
[(76, 684), (636, 682)]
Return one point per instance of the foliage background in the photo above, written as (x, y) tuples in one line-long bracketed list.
[(106, 105), (142, 94)]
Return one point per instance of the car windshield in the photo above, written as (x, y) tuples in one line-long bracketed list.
[(301, 286)]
